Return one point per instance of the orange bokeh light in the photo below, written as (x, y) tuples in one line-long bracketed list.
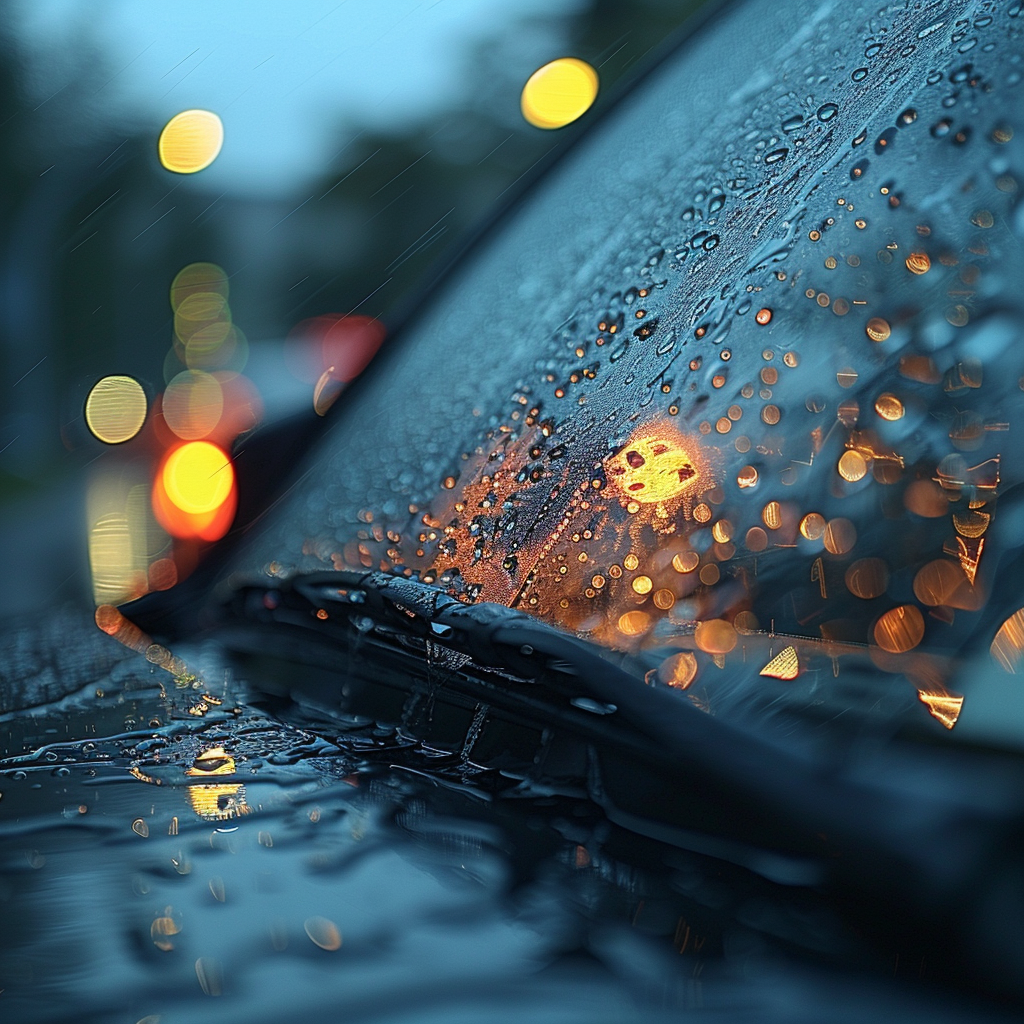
[(194, 494)]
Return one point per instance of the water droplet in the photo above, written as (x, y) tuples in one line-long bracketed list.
[(323, 932), (679, 670), (852, 466), (918, 263), (827, 111), (860, 74), (957, 315), (792, 123), (776, 155), (211, 979), (885, 141), (878, 329)]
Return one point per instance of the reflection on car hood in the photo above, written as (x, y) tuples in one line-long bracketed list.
[(738, 385)]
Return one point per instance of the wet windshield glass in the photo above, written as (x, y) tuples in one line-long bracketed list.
[(739, 383)]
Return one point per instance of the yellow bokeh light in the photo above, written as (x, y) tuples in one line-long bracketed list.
[(216, 346), (198, 278), (124, 538), (559, 93), (198, 477), (191, 141), (198, 309), (116, 409), (193, 404)]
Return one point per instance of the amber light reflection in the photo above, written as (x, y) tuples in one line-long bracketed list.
[(216, 801), (654, 467)]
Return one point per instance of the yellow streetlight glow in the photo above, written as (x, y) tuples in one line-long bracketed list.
[(559, 93), (191, 141)]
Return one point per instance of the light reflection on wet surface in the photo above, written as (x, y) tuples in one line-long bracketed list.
[(166, 862), (126, 874)]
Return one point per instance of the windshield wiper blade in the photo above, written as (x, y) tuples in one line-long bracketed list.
[(492, 636)]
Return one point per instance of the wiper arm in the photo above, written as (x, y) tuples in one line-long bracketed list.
[(491, 635)]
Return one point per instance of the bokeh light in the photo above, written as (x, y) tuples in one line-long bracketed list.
[(123, 630), (193, 404), (198, 310), (195, 278), (342, 346), (194, 493), (115, 409), (124, 539), (205, 336), (243, 407), (559, 93), (198, 477), (191, 141)]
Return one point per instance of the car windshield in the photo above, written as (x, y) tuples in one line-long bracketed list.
[(737, 384)]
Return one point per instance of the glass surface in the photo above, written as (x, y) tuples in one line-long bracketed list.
[(737, 386)]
